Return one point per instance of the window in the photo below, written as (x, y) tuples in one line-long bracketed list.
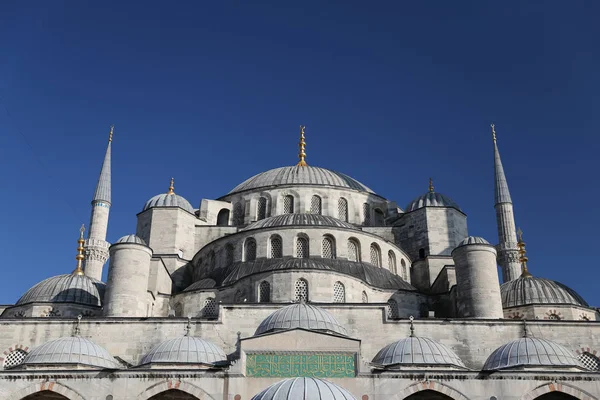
[(14, 358), (339, 293), (250, 250), (288, 204), (375, 255), (264, 292), (421, 253), (301, 290), (392, 262), (229, 254), (392, 309), (328, 247), (276, 247), (238, 214), (315, 205), (589, 361), (553, 316), (223, 217), (365, 298), (302, 247), (366, 214), (379, 218), (343, 209), (353, 251), (210, 309), (261, 212), (404, 270)]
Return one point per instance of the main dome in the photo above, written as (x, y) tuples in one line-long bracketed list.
[(297, 175)]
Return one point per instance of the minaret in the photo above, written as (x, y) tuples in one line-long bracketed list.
[(96, 246), (508, 253)]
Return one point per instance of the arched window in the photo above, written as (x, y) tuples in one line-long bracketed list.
[(339, 293), (288, 204), (379, 218), (264, 292), (343, 209), (250, 249), (210, 309), (375, 255), (223, 217), (404, 270), (589, 361), (302, 250), (14, 358), (421, 253), (261, 212), (328, 247), (392, 309), (365, 298), (238, 214), (366, 214), (315, 205), (276, 247), (229, 254), (301, 290), (353, 250), (554, 316), (392, 262)]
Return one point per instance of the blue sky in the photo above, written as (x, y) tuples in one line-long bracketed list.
[(211, 93)]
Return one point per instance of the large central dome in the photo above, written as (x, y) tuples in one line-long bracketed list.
[(296, 175)]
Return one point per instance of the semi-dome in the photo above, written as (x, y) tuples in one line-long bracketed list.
[(297, 175), (304, 388), (66, 288), (417, 351), (532, 290), (131, 239), (531, 352), (303, 316), (71, 350), (300, 219), (473, 240), (431, 199), (186, 350)]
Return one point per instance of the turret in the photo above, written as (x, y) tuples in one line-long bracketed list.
[(96, 246), (508, 254), (478, 287)]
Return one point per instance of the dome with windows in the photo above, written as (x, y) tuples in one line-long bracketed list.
[(531, 352), (297, 175), (431, 199), (69, 351), (186, 350), (299, 219), (417, 351), (532, 290), (66, 288), (304, 388), (302, 316), (131, 239)]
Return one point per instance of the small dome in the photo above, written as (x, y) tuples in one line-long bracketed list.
[(169, 200), (431, 199), (296, 175), (71, 350), (419, 351), (131, 239), (473, 240), (303, 316), (304, 388), (299, 219), (67, 288), (185, 350), (532, 290), (531, 352)]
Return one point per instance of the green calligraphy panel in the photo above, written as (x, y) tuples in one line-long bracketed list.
[(288, 365)]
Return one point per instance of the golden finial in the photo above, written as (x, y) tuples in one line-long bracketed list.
[(79, 257), (302, 154), (112, 128), (430, 185), (523, 257), (172, 187), (493, 132)]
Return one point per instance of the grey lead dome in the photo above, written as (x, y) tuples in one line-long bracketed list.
[(71, 350), (431, 199), (67, 288), (169, 200), (304, 389), (131, 239), (533, 290), (303, 316), (473, 240), (186, 350), (417, 351)]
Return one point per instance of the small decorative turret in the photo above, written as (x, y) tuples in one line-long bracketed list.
[(302, 154)]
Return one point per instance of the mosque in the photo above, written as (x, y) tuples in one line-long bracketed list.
[(300, 283)]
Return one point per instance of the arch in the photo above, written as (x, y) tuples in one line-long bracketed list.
[(223, 217), (315, 205), (421, 253), (557, 387), (288, 204), (210, 309), (328, 247), (249, 249), (173, 394), (261, 208), (343, 209), (404, 270), (264, 292), (45, 395), (375, 255), (301, 290), (177, 385), (275, 246), (353, 250), (339, 292), (392, 262), (13, 356), (238, 214), (365, 298), (379, 217), (429, 387), (302, 247), (589, 361), (46, 386), (366, 209)]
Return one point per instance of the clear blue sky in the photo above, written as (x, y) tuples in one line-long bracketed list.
[(391, 94)]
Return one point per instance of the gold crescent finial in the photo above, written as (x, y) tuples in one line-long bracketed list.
[(302, 153), (523, 255), (110, 135), (493, 132), (430, 185), (80, 256), (172, 187)]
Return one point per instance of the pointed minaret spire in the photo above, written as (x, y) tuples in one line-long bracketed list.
[(302, 154), (103, 187), (80, 256), (508, 254)]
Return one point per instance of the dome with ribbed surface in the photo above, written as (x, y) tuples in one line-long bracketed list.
[(417, 351), (131, 239), (532, 290), (473, 240), (71, 350), (186, 350), (296, 175), (304, 389), (169, 200), (300, 219), (67, 288), (431, 199), (531, 352), (303, 316)]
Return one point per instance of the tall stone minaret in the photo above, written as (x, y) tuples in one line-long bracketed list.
[(96, 246), (508, 253)]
